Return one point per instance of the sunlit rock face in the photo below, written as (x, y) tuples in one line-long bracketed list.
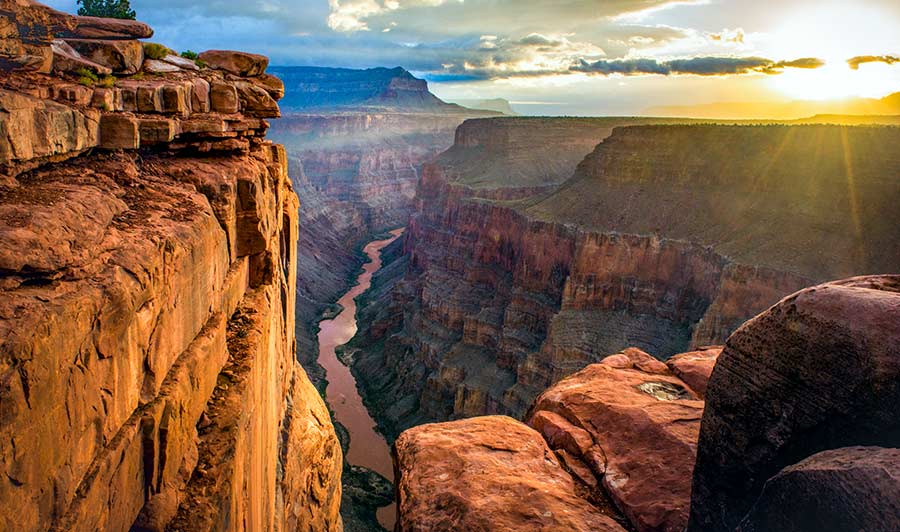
[(517, 272), (148, 377)]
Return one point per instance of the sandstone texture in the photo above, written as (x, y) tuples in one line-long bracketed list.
[(844, 490), (629, 425), (490, 474), (818, 371), (147, 361), (526, 261)]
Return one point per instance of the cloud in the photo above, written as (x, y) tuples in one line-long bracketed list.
[(726, 36), (854, 62), (699, 66)]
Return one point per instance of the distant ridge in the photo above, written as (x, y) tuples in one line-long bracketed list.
[(334, 89), (499, 105), (889, 105)]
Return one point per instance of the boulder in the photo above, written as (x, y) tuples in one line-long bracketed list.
[(237, 63), (181, 62), (106, 28), (695, 368), (122, 57), (223, 98), (255, 101), (820, 370), (118, 131), (200, 95), (843, 490), (636, 429), (490, 474), (272, 84), (155, 66), (66, 60)]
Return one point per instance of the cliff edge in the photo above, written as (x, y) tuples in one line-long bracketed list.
[(148, 231)]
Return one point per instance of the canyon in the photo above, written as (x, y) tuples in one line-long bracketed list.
[(383, 311), (518, 269)]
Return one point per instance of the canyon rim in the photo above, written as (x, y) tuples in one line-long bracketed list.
[(489, 290)]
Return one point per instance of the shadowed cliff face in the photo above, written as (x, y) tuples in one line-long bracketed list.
[(665, 238), (148, 378)]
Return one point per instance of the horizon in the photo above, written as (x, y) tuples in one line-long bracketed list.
[(577, 57)]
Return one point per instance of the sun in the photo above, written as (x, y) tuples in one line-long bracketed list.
[(835, 31), (837, 81)]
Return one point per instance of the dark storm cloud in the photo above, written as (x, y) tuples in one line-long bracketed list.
[(854, 62), (699, 66)]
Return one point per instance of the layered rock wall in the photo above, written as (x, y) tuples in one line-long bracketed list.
[(148, 378), (517, 279)]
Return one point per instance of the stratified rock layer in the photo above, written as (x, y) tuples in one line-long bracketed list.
[(147, 362), (666, 238), (819, 371), (490, 474)]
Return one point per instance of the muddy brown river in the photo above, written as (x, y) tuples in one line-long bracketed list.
[(367, 447)]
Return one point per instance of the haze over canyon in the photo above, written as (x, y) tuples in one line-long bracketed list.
[(359, 297)]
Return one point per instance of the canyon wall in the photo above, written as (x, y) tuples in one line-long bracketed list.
[(514, 274), (356, 148), (148, 378)]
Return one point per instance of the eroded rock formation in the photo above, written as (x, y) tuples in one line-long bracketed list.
[(148, 378), (666, 238)]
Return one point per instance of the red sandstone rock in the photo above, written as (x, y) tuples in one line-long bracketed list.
[(122, 57), (489, 474), (67, 60), (636, 430), (106, 28), (819, 370), (155, 66), (843, 490), (238, 63), (223, 98), (695, 368), (119, 132), (147, 352)]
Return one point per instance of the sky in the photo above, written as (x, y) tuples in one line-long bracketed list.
[(567, 57)]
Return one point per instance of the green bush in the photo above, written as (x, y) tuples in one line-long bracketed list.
[(86, 81), (187, 54), (156, 51), (106, 8), (108, 82), (88, 74), (200, 63)]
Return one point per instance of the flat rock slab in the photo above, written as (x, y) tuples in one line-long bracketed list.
[(237, 63), (490, 474), (820, 370)]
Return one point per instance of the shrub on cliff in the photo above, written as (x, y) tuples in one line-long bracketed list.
[(153, 50), (106, 8)]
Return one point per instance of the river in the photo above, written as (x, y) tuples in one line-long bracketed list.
[(367, 447)]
